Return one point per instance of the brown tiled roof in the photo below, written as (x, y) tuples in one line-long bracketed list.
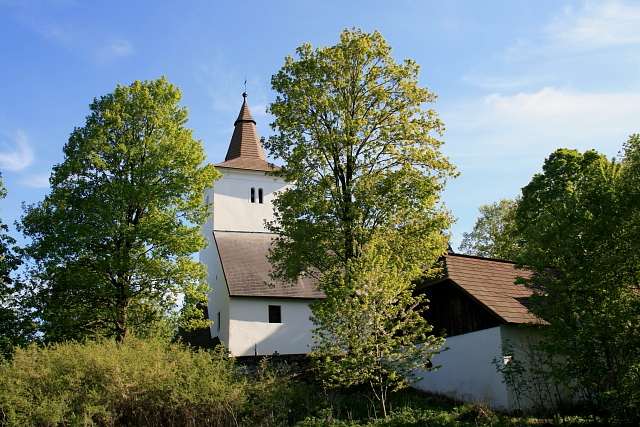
[(245, 150), (246, 267), (248, 164), (491, 282)]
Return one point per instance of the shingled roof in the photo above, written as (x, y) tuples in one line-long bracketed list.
[(246, 267), (491, 283), (245, 150)]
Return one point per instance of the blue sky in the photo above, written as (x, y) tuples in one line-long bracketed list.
[(516, 79)]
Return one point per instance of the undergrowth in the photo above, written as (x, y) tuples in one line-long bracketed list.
[(152, 383)]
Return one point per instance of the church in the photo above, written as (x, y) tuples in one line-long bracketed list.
[(475, 300), (251, 313)]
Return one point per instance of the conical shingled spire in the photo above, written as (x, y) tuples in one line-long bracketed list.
[(245, 150)]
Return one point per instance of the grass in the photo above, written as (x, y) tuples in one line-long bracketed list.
[(410, 408)]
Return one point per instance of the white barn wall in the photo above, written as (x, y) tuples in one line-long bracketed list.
[(522, 338), (519, 337), (249, 327), (467, 373)]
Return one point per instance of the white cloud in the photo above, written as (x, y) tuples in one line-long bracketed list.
[(599, 24), (113, 49), (592, 47), (96, 45), (564, 105), (37, 181), (224, 84), (514, 133), (16, 154)]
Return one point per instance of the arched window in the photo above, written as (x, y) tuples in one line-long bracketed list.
[(260, 198), (253, 195)]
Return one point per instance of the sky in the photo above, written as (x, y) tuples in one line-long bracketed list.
[(515, 79)]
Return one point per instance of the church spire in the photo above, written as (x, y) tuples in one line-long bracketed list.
[(245, 150)]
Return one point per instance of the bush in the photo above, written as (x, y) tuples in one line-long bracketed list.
[(104, 383), (276, 397)]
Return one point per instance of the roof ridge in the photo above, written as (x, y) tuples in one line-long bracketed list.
[(481, 258)]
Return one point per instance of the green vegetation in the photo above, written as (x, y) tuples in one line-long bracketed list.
[(576, 226), (151, 383), (490, 236), (15, 326), (364, 215), (113, 241), (578, 223)]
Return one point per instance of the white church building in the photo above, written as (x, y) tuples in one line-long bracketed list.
[(251, 313), (475, 300)]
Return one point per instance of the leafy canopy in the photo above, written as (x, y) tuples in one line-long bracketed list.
[(358, 145), (363, 216), (14, 324), (492, 236), (113, 241), (578, 224)]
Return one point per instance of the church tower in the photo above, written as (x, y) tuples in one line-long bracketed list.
[(242, 197), (251, 313)]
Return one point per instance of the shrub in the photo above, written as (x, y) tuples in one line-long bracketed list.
[(104, 383)]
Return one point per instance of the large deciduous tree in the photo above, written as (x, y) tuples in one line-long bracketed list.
[(359, 146), (491, 235), (113, 241), (578, 221), (14, 324)]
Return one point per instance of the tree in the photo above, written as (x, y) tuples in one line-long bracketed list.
[(14, 326), (368, 174), (113, 241), (578, 221), (491, 236), (370, 328)]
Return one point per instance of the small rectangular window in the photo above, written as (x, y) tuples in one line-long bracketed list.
[(253, 195), (275, 314), (260, 198), (218, 321)]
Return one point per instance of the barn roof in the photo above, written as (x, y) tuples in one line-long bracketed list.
[(246, 267), (491, 283)]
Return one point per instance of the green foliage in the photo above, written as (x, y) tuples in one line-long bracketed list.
[(369, 328), (363, 216), (579, 223), (359, 148), (142, 382), (113, 241), (15, 327), (104, 383), (491, 235), (276, 398)]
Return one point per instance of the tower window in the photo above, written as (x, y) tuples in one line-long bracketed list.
[(260, 198), (275, 314), (253, 195)]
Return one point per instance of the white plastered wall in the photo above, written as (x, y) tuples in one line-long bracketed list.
[(250, 330), (232, 207), (233, 211), (466, 373)]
